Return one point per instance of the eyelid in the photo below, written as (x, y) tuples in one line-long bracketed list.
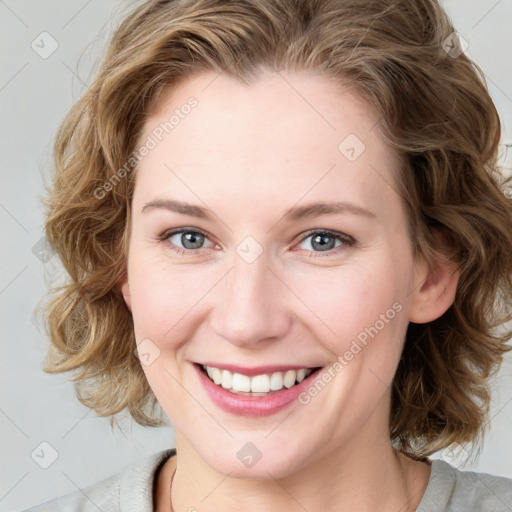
[(346, 240), (170, 232)]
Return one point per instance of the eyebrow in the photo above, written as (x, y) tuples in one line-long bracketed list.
[(293, 214)]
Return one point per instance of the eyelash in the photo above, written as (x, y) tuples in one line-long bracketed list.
[(345, 239)]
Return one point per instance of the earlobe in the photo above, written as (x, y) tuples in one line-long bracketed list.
[(435, 292)]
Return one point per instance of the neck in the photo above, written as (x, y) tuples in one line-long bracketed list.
[(375, 478)]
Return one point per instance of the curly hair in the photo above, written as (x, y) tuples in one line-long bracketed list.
[(435, 113)]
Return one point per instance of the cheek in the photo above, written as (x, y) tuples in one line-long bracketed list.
[(337, 306), (159, 310), (159, 298), (169, 300), (345, 303)]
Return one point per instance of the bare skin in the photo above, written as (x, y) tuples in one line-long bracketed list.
[(417, 475), (249, 153)]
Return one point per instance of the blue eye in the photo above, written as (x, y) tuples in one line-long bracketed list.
[(191, 240), (325, 240), (322, 241)]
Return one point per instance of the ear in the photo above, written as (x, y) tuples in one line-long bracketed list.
[(434, 291), (125, 290)]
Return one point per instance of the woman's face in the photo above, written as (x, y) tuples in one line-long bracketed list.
[(251, 281)]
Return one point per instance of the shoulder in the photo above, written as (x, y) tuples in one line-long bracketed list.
[(128, 490), (458, 491)]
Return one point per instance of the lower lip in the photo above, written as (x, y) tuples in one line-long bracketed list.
[(244, 405)]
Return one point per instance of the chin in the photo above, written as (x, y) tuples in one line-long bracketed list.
[(261, 460)]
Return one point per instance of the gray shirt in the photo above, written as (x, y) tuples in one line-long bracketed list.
[(448, 490)]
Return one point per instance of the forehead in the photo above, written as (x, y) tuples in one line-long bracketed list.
[(281, 136)]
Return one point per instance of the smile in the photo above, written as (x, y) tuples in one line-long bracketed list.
[(288, 382), (257, 385)]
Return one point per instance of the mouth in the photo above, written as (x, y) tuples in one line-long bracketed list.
[(256, 385)]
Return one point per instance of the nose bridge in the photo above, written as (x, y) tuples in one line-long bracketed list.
[(250, 308)]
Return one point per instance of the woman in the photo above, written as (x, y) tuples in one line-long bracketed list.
[(284, 223)]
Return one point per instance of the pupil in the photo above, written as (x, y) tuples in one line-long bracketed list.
[(324, 246), (193, 239)]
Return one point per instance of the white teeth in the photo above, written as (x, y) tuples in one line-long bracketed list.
[(276, 381), (241, 382), (265, 383), (227, 379), (301, 375), (217, 376), (260, 384), (289, 378)]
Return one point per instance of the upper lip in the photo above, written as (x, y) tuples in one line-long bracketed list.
[(255, 370)]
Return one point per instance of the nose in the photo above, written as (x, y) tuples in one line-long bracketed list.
[(252, 304)]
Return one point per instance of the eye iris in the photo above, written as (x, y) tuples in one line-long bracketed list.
[(324, 246), (193, 239), (321, 242)]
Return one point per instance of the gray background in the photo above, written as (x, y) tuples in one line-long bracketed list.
[(35, 93)]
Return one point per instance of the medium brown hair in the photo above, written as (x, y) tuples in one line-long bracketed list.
[(435, 114)]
